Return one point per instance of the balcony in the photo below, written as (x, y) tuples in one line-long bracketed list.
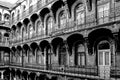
[(115, 72), (4, 44), (32, 9), (85, 71)]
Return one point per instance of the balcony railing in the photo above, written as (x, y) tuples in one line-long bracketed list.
[(34, 8), (86, 70), (115, 72), (4, 43), (90, 21)]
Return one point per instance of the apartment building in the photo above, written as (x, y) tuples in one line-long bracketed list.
[(62, 40)]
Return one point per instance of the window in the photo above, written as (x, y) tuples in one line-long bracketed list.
[(39, 26), (103, 13), (30, 57), (80, 14), (50, 56), (6, 17), (63, 19), (31, 31), (62, 55), (89, 5), (6, 57), (39, 57), (80, 55), (49, 25)]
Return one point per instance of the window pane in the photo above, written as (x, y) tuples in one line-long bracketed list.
[(106, 58), (100, 58), (82, 59), (79, 61)]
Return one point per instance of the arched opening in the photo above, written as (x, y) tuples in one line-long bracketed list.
[(40, 28), (25, 75), (55, 42), (103, 11), (70, 3), (6, 17), (49, 27), (104, 58), (79, 14), (57, 5), (18, 75), (39, 57), (31, 31), (6, 74), (25, 23), (19, 26), (102, 47), (62, 54), (26, 49), (13, 51), (19, 52), (80, 56), (33, 18), (62, 18)]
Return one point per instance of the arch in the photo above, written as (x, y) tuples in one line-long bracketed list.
[(32, 76), (61, 18), (49, 22), (19, 48), (26, 48), (6, 74), (13, 48), (18, 73), (6, 16), (13, 27), (38, 26), (77, 2), (30, 30), (34, 46), (80, 55), (43, 12), (56, 6), (25, 75), (19, 26), (79, 14), (43, 44), (70, 3), (55, 42), (6, 34), (74, 38), (39, 56), (95, 36), (34, 17), (26, 22)]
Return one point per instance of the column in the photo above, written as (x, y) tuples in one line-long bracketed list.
[(86, 50), (115, 49), (2, 76)]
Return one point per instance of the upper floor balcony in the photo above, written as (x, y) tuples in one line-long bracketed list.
[(32, 9)]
